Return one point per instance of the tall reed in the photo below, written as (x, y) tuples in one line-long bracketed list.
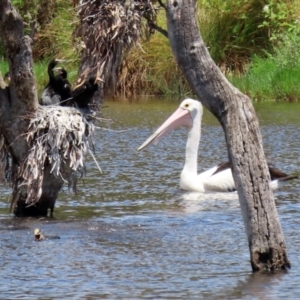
[(233, 30), (150, 69), (241, 35), (275, 77)]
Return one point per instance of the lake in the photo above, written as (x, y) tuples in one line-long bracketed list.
[(131, 233)]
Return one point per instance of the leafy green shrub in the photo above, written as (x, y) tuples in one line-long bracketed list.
[(235, 30), (276, 76), (280, 17), (53, 23)]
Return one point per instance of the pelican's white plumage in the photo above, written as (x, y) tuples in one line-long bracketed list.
[(216, 179)]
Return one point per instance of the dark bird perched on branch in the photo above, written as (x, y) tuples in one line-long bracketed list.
[(63, 86), (83, 94), (58, 89), (49, 97)]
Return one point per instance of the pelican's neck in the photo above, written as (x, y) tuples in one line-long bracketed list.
[(192, 145)]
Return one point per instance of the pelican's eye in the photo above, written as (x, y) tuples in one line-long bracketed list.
[(186, 105)]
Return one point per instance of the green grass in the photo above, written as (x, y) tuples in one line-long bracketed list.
[(275, 77), (233, 30), (3, 67), (236, 34), (41, 75)]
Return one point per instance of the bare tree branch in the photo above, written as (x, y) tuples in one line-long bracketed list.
[(19, 56), (237, 116)]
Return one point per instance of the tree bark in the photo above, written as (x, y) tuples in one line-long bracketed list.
[(45, 144), (18, 101), (236, 114)]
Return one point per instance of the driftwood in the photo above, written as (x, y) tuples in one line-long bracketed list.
[(236, 114)]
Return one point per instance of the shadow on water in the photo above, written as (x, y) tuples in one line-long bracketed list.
[(132, 234), (255, 286)]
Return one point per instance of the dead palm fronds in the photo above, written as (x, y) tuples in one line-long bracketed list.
[(107, 30), (4, 161), (59, 139)]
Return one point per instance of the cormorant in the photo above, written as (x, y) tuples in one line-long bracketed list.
[(58, 89), (63, 86), (82, 95), (49, 97)]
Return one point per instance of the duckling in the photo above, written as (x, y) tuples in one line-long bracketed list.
[(38, 236)]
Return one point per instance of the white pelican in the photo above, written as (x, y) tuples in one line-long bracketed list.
[(216, 179)]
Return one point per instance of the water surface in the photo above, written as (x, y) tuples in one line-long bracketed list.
[(132, 234)]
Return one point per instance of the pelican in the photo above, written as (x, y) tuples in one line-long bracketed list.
[(216, 179)]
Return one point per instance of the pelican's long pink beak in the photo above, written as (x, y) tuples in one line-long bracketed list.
[(181, 117)]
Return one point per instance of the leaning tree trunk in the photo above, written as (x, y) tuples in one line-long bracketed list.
[(40, 147), (236, 114)]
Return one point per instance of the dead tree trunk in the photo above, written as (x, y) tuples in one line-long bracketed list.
[(45, 144), (236, 114), (20, 98)]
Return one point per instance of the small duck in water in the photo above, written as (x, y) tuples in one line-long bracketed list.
[(38, 236)]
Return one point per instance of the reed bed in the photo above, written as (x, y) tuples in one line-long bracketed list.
[(245, 39)]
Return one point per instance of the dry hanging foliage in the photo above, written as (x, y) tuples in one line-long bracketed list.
[(4, 161), (107, 30), (59, 138)]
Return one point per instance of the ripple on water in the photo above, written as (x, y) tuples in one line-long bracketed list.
[(131, 234)]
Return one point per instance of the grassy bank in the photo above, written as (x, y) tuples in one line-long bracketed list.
[(40, 71), (255, 43), (274, 77)]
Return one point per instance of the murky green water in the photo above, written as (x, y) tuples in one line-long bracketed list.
[(132, 234)]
